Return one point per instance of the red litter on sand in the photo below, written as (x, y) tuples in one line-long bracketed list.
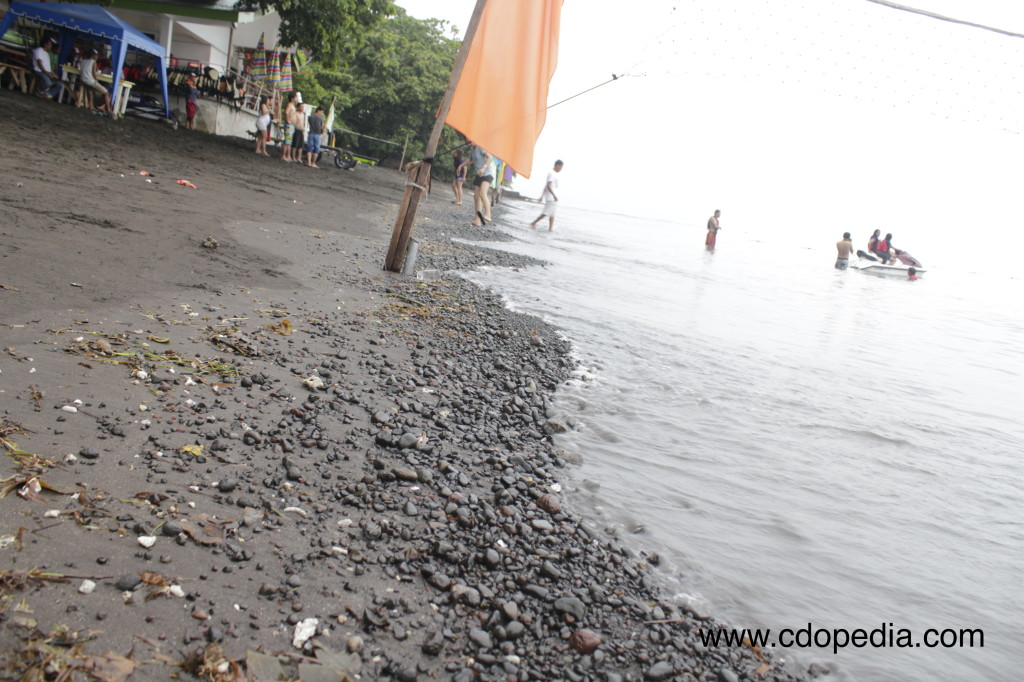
[(186, 183), (142, 172)]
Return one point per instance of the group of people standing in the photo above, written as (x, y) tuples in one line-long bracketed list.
[(483, 168), (486, 168), (879, 249), (302, 131)]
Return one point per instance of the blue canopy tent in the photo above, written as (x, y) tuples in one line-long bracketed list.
[(91, 20)]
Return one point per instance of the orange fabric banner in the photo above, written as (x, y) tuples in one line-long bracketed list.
[(501, 100)]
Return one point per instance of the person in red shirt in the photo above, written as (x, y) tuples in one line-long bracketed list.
[(912, 274), (882, 248)]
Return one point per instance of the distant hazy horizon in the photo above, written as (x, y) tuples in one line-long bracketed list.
[(799, 119)]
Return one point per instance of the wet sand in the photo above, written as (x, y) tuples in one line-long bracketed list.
[(265, 454)]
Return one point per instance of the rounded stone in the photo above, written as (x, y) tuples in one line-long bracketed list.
[(571, 606), (585, 641), (662, 670)]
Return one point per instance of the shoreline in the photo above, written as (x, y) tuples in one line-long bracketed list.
[(381, 462)]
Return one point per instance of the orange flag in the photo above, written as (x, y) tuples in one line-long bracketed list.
[(501, 100)]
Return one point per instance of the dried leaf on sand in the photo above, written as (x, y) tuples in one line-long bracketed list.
[(194, 450), (109, 667), (284, 327), (263, 668), (205, 529)]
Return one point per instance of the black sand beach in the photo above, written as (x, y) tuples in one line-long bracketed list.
[(265, 458)]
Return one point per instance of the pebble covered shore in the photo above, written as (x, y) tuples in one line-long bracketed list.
[(297, 483)]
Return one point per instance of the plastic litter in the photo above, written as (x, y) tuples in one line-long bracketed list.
[(186, 183)]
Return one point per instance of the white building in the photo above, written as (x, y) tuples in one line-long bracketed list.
[(209, 33)]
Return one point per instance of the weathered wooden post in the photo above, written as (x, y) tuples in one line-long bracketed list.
[(416, 180)]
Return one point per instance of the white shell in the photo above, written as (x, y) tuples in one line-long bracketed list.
[(303, 631)]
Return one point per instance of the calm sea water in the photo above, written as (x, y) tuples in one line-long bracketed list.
[(801, 445)]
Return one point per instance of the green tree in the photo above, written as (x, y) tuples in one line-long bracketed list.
[(332, 30), (399, 74)]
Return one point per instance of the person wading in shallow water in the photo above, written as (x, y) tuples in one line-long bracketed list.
[(844, 247), (549, 197), (713, 228)]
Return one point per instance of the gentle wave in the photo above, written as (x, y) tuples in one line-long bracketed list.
[(798, 443)]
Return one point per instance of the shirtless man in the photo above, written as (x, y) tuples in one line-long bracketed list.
[(844, 247), (288, 129)]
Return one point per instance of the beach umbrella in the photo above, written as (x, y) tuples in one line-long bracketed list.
[(286, 73), (274, 69), (258, 67)]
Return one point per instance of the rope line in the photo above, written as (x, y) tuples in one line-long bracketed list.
[(942, 17)]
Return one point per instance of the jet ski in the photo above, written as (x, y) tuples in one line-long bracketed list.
[(871, 264)]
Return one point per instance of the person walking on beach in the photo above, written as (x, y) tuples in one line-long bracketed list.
[(316, 131), (713, 228), (844, 247), (461, 163), (482, 161), (549, 197), (48, 82)]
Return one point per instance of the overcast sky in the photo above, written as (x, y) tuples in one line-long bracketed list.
[(789, 115)]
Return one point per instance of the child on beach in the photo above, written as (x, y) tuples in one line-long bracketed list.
[(191, 103)]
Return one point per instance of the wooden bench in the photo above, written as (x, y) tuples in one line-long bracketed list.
[(19, 76)]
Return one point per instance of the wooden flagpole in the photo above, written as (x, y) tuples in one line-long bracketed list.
[(419, 176)]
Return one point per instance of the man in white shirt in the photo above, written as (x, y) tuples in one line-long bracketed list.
[(550, 198), (48, 84)]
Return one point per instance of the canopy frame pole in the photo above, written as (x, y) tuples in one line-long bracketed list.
[(419, 177)]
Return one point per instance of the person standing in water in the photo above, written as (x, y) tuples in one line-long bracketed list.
[(844, 248), (713, 228)]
